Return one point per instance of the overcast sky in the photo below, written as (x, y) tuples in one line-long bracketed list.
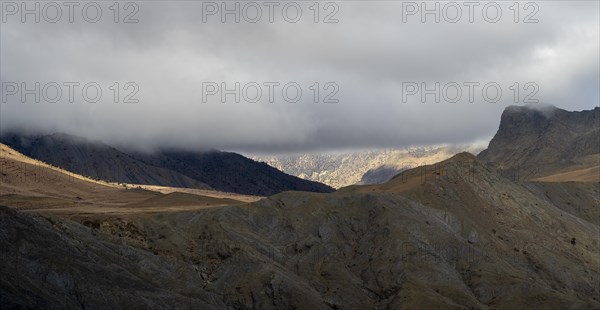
[(372, 58)]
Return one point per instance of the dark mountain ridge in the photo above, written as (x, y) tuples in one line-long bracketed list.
[(231, 172), (217, 170), (96, 160)]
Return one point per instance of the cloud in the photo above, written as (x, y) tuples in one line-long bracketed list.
[(370, 54)]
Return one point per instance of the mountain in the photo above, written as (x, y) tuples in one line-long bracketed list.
[(539, 141), (232, 172), (456, 234), (222, 171), (58, 264), (360, 167), (450, 235), (96, 160), (380, 175), (32, 185)]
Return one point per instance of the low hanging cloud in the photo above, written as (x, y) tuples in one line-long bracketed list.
[(371, 74)]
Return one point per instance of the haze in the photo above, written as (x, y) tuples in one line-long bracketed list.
[(369, 53)]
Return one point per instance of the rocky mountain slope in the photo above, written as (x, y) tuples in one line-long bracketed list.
[(452, 235), (457, 234), (537, 141), (56, 264), (96, 160), (433, 242), (361, 167), (31, 185), (222, 171)]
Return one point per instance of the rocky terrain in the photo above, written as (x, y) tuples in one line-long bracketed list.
[(536, 141), (361, 167), (221, 171), (55, 264), (455, 234), (467, 238)]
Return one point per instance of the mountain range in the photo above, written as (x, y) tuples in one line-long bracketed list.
[(361, 167), (456, 234), (223, 171)]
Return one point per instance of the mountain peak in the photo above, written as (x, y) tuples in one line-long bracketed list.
[(462, 157), (541, 107), (530, 111), (542, 136)]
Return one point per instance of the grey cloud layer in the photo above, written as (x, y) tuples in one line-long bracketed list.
[(369, 54)]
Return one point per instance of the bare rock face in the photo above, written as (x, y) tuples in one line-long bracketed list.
[(536, 141), (56, 264), (362, 167)]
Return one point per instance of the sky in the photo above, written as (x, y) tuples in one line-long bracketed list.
[(291, 77)]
